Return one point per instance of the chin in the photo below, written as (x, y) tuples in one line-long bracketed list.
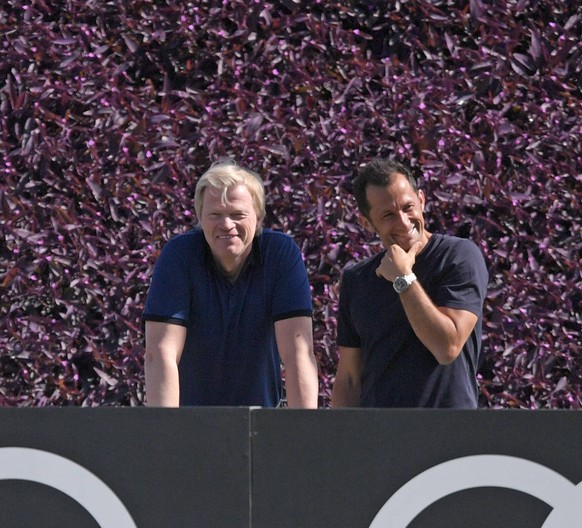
[(406, 244)]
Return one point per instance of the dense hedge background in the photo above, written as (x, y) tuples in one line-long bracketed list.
[(111, 110)]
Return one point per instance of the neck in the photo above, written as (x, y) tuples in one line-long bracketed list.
[(231, 270), (231, 267), (231, 276)]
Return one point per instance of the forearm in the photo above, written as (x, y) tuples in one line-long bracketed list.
[(161, 382), (295, 342), (346, 392), (436, 331), (347, 385), (301, 381), (164, 344)]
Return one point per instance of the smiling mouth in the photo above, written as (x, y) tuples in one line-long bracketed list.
[(413, 231), (405, 238)]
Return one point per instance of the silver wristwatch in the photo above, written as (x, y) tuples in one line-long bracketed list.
[(402, 283)]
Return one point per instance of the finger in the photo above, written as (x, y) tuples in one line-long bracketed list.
[(415, 248)]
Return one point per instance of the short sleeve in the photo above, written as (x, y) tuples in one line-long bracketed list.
[(464, 285), (291, 293), (168, 298)]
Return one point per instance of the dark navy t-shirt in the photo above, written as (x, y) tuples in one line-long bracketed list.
[(398, 370), (230, 356)]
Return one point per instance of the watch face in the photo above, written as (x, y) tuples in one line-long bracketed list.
[(400, 284)]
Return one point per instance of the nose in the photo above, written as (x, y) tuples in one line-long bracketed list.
[(227, 222), (403, 219)]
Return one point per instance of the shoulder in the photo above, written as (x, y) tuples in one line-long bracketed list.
[(185, 248), (455, 247), (278, 250), (273, 243), (363, 268), (268, 237), (190, 239), (451, 252)]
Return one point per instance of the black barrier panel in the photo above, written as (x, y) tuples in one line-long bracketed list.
[(114, 467), (220, 467), (369, 468)]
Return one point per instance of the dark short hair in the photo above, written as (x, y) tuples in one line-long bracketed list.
[(379, 172)]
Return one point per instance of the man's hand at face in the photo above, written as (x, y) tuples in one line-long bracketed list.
[(397, 262)]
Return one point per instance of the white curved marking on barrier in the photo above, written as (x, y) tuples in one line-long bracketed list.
[(19, 463), (477, 471)]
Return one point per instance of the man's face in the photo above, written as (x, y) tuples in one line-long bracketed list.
[(229, 226), (396, 213)]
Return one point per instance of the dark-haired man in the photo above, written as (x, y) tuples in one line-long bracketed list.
[(409, 325)]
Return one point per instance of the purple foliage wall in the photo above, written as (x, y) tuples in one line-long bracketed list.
[(111, 110)]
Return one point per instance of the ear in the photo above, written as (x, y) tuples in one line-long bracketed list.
[(422, 198), (366, 224)]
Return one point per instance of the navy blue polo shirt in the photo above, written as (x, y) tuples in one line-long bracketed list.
[(230, 357), (398, 370)]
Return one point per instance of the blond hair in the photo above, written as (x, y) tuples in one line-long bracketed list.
[(226, 174)]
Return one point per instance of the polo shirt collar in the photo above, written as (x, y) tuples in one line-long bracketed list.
[(255, 257)]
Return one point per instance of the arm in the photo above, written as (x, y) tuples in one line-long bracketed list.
[(164, 344), (346, 388), (295, 343), (442, 330)]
